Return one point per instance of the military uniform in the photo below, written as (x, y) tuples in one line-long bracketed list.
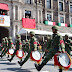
[(33, 46), (47, 46), (5, 47), (57, 44), (67, 44), (10, 45), (18, 46), (3, 44)]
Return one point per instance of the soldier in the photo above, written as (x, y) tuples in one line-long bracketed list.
[(57, 44), (10, 45), (27, 46), (18, 46), (23, 46), (67, 42), (3, 44), (47, 46), (33, 46), (5, 47)]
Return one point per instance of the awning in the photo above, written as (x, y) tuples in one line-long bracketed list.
[(4, 6), (40, 32)]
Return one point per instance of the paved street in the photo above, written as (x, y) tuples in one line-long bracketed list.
[(6, 66)]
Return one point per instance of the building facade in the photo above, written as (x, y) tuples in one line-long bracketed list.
[(45, 12)]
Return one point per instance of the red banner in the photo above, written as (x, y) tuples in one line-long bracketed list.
[(28, 23)]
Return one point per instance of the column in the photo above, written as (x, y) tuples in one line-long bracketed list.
[(38, 15), (41, 17)]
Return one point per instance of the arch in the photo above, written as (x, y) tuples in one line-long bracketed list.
[(4, 32)]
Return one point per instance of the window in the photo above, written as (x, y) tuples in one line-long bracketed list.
[(27, 14), (28, 1), (60, 6), (71, 8), (49, 17), (49, 4), (61, 19), (16, 12)]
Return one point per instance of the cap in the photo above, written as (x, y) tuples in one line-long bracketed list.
[(55, 27), (33, 33)]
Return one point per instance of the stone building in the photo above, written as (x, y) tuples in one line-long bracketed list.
[(45, 12)]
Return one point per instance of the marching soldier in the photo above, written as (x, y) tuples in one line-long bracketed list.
[(10, 45), (67, 42), (23, 46), (18, 46), (5, 47), (57, 44), (3, 44), (33, 46), (46, 45)]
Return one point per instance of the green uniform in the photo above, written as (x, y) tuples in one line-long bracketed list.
[(47, 46), (18, 46), (10, 45), (57, 44), (33, 46), (23, 46), (68, 45), (3, 44), (5, 47)]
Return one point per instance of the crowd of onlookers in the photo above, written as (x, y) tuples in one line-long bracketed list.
[(3, 12)]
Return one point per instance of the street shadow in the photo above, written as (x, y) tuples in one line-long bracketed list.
[(9, 63), (50, 64), (17, 70)]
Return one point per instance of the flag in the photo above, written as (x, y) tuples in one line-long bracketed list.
[(28, 23)]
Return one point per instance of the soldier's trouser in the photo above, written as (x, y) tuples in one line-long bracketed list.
[(5, 52), (49, 56), (68, 50), (14, 54), (27, 57), (1, 48)]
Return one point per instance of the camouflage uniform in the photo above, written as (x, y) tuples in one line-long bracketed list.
[(57, 44), (67, 44), (33, 46), (18, 46)]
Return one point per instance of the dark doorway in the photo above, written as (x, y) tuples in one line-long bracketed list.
[(4, 32)]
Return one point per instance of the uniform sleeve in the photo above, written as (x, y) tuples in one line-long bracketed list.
[(35, 43), (62, 43)]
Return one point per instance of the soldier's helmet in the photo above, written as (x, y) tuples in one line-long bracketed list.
[(18, 36), (55, 27), (23, 41), (9, 37), (3, 39), (6, 38), (66, 35), (32, 32)]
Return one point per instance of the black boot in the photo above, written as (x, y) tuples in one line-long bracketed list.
[(60, 70), (10, 60), (38, 67), (1, 56)]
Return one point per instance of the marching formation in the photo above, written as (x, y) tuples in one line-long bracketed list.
[(53, 46)]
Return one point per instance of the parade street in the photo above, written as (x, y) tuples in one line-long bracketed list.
[(6, 66)]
